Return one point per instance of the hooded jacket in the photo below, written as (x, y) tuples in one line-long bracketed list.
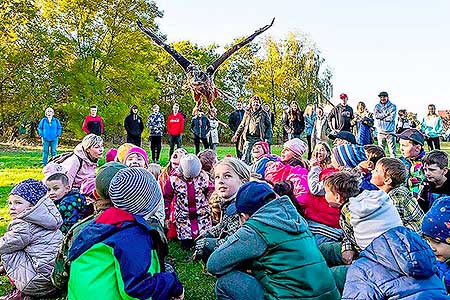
[(28, 248), (397, 265), (372, 214), (109, 263), (385, 115), (49, 131), (282, 254), (133, 124), (76, 173)]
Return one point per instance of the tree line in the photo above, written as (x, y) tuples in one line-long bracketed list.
[(70, 54)]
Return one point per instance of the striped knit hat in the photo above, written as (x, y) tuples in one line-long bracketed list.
[(136, 191), (349, 155)]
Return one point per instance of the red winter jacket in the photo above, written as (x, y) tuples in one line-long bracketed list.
[(316, 208), (175, 124)]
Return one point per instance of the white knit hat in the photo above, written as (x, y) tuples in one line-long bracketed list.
[(190, 166), (135, 190)]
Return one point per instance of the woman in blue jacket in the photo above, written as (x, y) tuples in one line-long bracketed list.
[(49, 130), (396, 265)]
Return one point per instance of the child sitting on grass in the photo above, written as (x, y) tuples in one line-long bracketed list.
[(274, 243), (436, 183), (373, 153), (396, 265), (436, 231), (189, 189), (363, 217), (118, 256), (390, 176), (70, 203), (29, 246), (260, 157), (323, 220)]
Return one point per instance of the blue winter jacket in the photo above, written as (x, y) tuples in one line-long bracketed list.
[(397, 265), (49, 131), (385, 115)]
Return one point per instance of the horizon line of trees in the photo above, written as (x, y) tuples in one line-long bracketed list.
[(71, 54)]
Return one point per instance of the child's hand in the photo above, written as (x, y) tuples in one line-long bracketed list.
[(348, 256), (314, 162)]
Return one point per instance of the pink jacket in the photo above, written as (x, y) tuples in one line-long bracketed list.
[(278, 171), (76, 173), (192, 214)]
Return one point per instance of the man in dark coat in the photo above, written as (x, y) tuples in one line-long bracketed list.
[(134, 126)]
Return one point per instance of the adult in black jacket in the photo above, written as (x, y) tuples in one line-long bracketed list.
[(234, 120), (200, 128), (134, 126)]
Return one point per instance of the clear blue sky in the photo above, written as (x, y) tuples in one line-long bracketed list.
[(397, 46)]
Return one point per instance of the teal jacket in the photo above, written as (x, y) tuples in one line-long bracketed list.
[(282, 254)]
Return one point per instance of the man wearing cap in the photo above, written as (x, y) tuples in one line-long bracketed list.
[(385, 113), (411, 147), (340, 116), (275, 245)]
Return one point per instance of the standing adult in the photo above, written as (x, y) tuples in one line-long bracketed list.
[(385, 113), (310, 118), (364, 122), (234, 120), (49, 130), (320, 130), (93, 123), (294, 122), (200, 129), (255, 126), (213, 137), (134, 126), (266, 108), (340, 116), (155, 124), (284, 117), (432, 127), (175, 128)]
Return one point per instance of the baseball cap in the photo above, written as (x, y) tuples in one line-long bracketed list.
[(383, 94), (343, 96), (412, 135), (344, 135)]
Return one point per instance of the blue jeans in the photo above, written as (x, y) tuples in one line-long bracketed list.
[(45, 146), (238, 285)]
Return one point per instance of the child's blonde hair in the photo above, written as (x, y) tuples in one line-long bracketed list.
[(237, 166), (155, 169)]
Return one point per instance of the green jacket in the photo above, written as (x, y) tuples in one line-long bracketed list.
[(282, 253)]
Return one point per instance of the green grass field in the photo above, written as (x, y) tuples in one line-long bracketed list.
[(17, 164)]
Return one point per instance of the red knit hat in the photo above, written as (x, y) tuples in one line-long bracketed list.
[(264, 145)]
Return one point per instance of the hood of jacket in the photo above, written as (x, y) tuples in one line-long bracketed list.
[(367, 202), (44, 214), (79, 151), (281, 213), (402, 250)]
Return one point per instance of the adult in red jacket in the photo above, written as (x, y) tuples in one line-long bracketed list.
[(93, 123), (175, 128)]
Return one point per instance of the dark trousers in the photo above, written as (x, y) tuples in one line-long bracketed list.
[(433, 143), (174, 139), (155, 147), (238, 152), (134, 139), (197, 140), (308, 139)]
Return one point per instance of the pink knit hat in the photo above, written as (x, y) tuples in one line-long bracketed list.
[(264, 145), (297, 146), (137, 150), (111, 154)]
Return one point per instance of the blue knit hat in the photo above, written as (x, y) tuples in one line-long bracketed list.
[(250, 197), (30, 189), (436, 223), (136, 191), (349, 155)]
